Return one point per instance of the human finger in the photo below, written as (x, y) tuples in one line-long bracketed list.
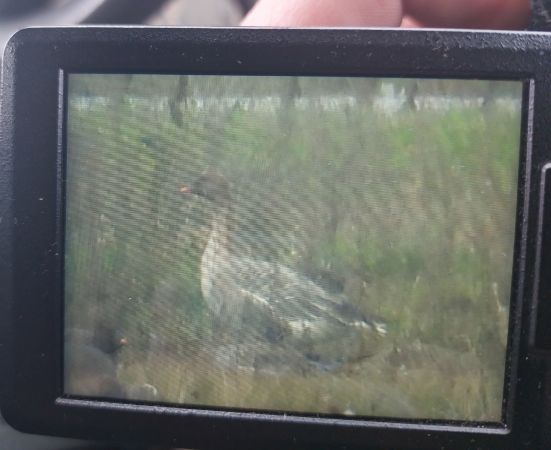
[(498, 14), (410, 22), (325, 13)]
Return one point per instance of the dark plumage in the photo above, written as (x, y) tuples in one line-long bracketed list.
[(90, 362), (268, 303), (105, 338)]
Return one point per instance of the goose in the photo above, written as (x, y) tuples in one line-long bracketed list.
[(90, 362), (91, 365), (267, 308)]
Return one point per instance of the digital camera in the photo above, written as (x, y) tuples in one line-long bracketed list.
[(243, 238)]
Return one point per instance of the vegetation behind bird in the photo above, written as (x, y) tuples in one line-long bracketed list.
[(409, 212)]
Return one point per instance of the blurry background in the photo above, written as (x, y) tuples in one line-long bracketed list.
[(17, 14)]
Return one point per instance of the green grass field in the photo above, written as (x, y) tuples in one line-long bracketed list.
[(410, 214)]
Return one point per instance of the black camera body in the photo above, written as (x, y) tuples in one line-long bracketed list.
[(356, 256)]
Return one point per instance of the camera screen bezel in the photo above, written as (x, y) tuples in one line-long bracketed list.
[(36, 65)]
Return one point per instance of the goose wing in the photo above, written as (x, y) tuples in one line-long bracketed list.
[(292, 300)]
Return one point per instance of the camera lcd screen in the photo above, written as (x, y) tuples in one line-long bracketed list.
[(316, 245)]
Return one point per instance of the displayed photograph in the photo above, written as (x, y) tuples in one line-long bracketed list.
[(331, 246)]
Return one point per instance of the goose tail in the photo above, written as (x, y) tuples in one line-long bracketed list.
[(377, 325)]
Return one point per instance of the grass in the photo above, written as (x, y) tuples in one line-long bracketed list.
[(410, 215)]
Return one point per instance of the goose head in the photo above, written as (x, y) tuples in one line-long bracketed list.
[(103, 338), (210, 185)]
